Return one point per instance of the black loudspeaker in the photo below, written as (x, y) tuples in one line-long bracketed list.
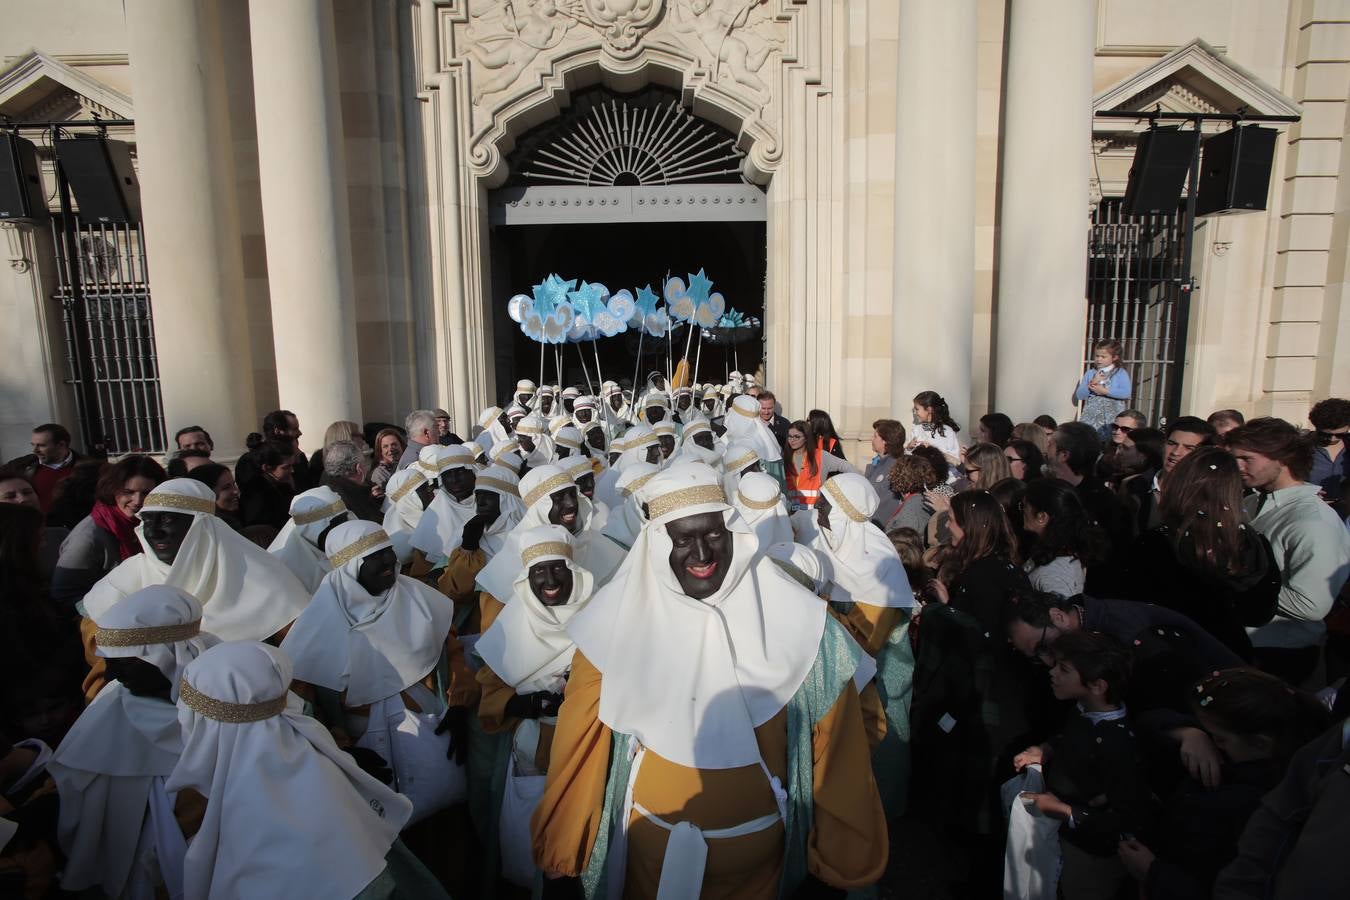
[(1158, 175), (1235, 171), (101, 177), (21, 195)]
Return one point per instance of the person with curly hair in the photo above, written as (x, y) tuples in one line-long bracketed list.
[(1066, 540)]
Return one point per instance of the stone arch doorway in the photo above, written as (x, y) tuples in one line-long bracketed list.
[(625, 189)]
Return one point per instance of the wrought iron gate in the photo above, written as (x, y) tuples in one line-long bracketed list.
[(104, 292), (1138, 294)]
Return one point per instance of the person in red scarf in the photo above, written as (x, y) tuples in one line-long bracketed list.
[(98, 543)]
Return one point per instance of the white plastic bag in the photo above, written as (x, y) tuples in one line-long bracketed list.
[(520, 796), (1031, 860), (409, 743)]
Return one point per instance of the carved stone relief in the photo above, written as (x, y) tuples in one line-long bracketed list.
[(518, 55)]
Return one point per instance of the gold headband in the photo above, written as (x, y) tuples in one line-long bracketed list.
[(755, 504), (151, 634), (508, 447), (408, 487), (547, 548), (849, 509), (525, 390), (504, 487), (744, 412), (460, 458), (696, 428), (224, 711), (178, 501), (323, 512), (679, 499), (568, 443), (641, 440), (747, 459), (530, 428), (560, 480), (636, 484), (352, 551)]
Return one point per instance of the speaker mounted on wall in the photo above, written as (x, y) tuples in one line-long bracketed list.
[(21, 195), (1158, 174), (101, 177), (1235, 171)]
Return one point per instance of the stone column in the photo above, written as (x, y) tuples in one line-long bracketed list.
[(1040, 309), (191, 219), (303, 176), (934, 204)]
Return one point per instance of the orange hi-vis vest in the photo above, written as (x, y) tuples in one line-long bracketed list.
[(802, 487)]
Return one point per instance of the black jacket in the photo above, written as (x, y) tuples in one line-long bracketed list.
[(1094, 768)]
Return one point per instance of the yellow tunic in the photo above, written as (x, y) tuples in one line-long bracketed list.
[(847, 846), (871, 625), (457, 583)]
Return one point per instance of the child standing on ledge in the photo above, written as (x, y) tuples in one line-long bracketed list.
[(1105, 388), (1092, 778)]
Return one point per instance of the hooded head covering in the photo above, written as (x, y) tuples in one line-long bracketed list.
[(371, 646), (288, 814), (245, 592), (441, 527), (493, 431), (651, 399), (632, 449), (507, 453), (106, 767), (626, 520), (535, 428), (579, 467), (528, 646), (692, 452), (618, 419), (297, 544), (865, 566), (403, 509), (524, 386), (594, 552), (736, 459), (760, 503), (721, 665), (503, 482), (745, 426), (568, 437)]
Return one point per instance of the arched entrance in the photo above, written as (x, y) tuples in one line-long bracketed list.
[(625, 190)]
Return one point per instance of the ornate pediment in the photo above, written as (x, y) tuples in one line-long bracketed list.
[(520, 60), (39, 88)]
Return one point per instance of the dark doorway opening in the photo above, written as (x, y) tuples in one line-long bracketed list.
[(625, 255)]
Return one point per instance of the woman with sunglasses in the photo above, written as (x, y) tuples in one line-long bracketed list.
[(1025, 460)]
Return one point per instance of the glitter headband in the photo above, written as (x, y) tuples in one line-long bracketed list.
[(849, 509), (743, 412), (755, 504), (352, 551), (408, 487), (528, 428), (457, 458), (323, 512), (561, 480), (636, 484), (224, 711), (504, 487), (178, 501), (679, 499), (547, 548), (153, 634), (742, 462), (568, 443)]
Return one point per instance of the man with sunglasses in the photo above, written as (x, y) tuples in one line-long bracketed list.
[(1126, 422), (1331, 419)]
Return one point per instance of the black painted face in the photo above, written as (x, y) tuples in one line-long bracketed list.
[(596, 438), (704, 439), (569, 404), (655, 414), (378, 571), (505, 421), (667, 444), (332, 523), (426, 492), (823, 508), (586, 485), (684, 401), (753, 467), (551, 582), (614, 457), (584, 415), (654, 454), (138, 676), (562, 452), (710, 405), (458, 483), (545, 404), (615, 401), (526, 442), (700, 553), (523, 399), (564, 509), (489, 505), (165, 532)]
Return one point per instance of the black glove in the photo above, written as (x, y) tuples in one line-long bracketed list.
[(37, 822), (473, 532), (456, 721), (372, 763), (534, 706), (562, 889)]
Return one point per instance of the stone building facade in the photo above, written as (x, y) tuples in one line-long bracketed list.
[(326, 187)]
